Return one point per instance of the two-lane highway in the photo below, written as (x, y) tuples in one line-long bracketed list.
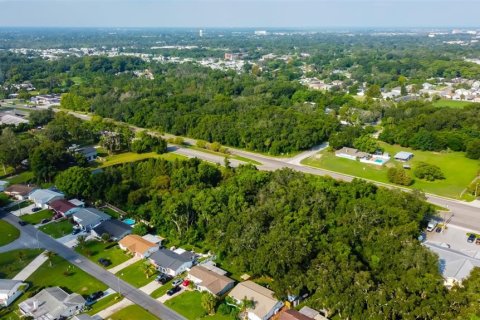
[(131, 293)]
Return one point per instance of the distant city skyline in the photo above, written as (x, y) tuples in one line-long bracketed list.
[(240, 13)]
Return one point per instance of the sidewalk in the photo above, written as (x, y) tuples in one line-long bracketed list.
[(31, 268), (124, 265), (105, 313)]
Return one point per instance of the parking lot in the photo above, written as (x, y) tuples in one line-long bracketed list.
[(455, 238)]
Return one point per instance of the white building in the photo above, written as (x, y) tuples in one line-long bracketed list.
[(10, 290), (52, 303), (41, 197)]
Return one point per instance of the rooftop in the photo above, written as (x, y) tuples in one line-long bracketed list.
[(214, 282), (169, 259), (262, 297), (135, 243)]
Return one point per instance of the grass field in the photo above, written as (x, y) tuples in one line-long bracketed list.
[(8, 233), (131, 157), (135, 275), (12, 262), (449, 162), (189, 305), (58, 229), (63, 274), (37, 217), (230, 156), (133, 312), (112, 213), (23, 177), (95, 250), (451, 103)]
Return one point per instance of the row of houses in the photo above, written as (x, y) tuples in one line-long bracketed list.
[(379, 158)]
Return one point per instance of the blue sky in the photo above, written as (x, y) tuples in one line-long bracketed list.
[(240, 13)]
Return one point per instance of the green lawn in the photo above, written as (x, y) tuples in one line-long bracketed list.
[(135, 275), (451, 103), (132, 156), (37, 217), (111, 212), (189, 305), (58, 229), (449, 162), (63, 274), (133, 312), (104, 303), (8, 233), (230, 156), (95, 250), (12, 262), (23, 177)]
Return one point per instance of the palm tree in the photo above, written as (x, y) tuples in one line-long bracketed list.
[(50, 255), (246, 304), (149, 270), (82, 241)]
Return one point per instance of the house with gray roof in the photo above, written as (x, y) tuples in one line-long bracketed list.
[(88, 218), (52, 303), (90, 153), (10, 290), (403, 156), (454, 266), (115, 228), (170, 262)]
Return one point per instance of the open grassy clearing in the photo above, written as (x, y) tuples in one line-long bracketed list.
[(8, 233), (58, 229), (95, 250), (23, 177), (132, 157), (230, 156), (133, 312), (459, 171), (12, 262), (37, 217), (451, 103), (112, 213)]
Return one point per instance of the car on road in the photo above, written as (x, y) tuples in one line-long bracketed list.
[(174, 290), (104, 262), (22, 223), (177, 282), (431, 225), (36, 209), (471, 238)]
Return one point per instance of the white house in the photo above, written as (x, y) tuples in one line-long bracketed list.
[(41, 197), (172, 263), (88, 218), (52, 303), (10, 290), (265, 305)]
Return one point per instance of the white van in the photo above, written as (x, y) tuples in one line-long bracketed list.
[(431, 225)]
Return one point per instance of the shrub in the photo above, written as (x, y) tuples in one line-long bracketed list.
[(399, 176), (428, 172)]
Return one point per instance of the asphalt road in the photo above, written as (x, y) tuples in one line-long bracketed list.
[(465, 215), (30, 235)]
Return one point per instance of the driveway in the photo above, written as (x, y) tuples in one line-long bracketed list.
[(31, 268), (124, 265), (166, 297), (22, 211)]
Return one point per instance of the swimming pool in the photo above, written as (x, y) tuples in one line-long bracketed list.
[(129, 221), (379, 161)]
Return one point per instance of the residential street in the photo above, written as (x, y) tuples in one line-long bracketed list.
[(465, 215), (29, 236)]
